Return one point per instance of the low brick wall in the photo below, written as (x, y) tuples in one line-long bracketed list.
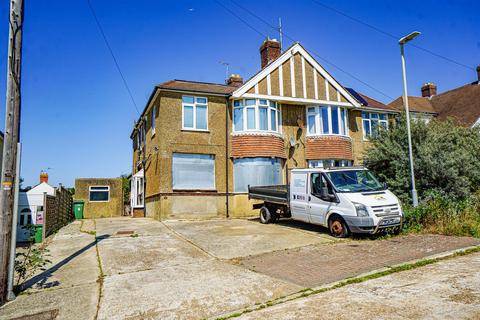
[(328, 147)]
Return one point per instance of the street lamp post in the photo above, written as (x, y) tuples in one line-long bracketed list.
[(402, 42)]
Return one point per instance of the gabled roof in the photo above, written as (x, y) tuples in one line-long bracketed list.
[(195, 86), (368, 102), (300, 78), (415, 104), (462, 104)]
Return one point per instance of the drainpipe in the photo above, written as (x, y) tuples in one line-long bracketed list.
[(226, 157)]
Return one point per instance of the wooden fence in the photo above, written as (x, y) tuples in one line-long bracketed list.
[(58, 211)]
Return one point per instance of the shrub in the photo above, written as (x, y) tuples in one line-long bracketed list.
[(445, 215), (446, 159)]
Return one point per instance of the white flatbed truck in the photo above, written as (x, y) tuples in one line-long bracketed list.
[(345, 199)]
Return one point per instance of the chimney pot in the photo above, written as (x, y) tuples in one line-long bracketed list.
[(429, 90), (235, 80), (269, 51), (43, 177)]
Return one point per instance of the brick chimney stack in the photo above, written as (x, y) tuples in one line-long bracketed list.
[(269, 51), (235, 80), (43, 177), (478, 73), (429, 90)]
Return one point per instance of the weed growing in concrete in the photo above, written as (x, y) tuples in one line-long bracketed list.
[(31, 260)]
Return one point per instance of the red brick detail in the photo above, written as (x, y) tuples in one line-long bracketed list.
[(328, 147), (138, 213), (245, 146)]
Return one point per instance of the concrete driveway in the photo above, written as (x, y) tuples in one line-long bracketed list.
[(228, 239), (126, 268), (448, 289)]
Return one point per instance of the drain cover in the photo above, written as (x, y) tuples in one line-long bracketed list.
[(125, 232)]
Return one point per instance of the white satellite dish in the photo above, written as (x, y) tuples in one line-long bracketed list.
[(292, 142)]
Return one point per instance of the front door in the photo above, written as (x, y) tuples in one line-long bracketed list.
[(317, 207), (24, 219)]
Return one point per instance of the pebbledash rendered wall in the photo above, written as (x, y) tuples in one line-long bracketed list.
[(111, 208), (162, 202)]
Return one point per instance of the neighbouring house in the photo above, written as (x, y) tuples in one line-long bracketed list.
[(461, 104), (31, 206), (103, 197), (198, 146)]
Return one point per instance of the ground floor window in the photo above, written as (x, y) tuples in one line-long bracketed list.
[(329, 163), (193, 171), (99, 193), (256, 172)]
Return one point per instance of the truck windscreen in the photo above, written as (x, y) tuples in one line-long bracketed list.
[(354, 181)]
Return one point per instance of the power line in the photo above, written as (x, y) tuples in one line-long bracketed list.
[(241, 19), (312, 51), (388, 34), (111, 53)]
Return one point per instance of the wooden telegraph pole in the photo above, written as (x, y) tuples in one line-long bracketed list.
[(11, 138)]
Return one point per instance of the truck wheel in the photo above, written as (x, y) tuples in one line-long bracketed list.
[(338, 227), (265, 215)]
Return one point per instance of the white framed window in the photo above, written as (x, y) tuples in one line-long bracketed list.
[(154, 113), (371, 122), (326, 163), (194, 113), (137, 194), (99, 193), (327, 120), (256, 115), (193, 171), (256, 172)]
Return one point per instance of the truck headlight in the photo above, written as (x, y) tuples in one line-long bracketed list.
[(361, 209)]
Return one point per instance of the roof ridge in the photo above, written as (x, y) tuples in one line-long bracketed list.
[(203, 82)]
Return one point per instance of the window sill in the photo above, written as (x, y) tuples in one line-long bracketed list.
[(257, 133), (195, 130), (195, 190), (327, 135)]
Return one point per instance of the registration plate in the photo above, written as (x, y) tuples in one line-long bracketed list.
[(389, 221)]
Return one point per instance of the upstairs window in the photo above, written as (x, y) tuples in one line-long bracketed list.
[(99, 193), (255, 115), (194, 113), (154, 113), (327, 120), (371, 123)]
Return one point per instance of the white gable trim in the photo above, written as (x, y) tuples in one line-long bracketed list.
[(278, 64), (292, 75), (298, 100)]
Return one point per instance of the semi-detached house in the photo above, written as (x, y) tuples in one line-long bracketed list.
[(198, 146)]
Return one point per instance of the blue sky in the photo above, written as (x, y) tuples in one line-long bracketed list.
[(77, 115)]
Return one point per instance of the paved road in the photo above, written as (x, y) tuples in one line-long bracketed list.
[(445, 290)]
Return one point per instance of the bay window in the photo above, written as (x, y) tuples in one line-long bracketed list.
[(371, 123), (323, 120), (256, 172), (255, 115), (194, 113)]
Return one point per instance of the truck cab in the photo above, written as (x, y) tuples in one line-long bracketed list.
[(345, 200)]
